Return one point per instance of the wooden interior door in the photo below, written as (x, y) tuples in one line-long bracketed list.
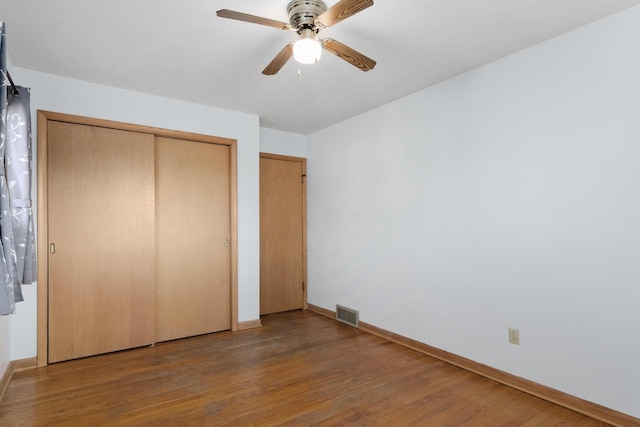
[(193, 264), (101, 221), (282, 234)]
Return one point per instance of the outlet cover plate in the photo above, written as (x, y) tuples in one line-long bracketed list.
[(514, 336)]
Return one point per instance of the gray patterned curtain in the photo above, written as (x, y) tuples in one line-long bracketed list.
[(17, 248), (7, 294), (18, 175)]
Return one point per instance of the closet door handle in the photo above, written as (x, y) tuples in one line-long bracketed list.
[(52, 248)]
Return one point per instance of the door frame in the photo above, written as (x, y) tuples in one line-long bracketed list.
[(43, 209), (303, 162)]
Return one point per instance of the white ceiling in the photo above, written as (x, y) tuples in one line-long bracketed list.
[(182, 50)]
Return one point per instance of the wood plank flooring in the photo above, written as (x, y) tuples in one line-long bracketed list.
[(300, 369)]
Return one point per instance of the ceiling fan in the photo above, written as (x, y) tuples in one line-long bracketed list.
[(307, 18)]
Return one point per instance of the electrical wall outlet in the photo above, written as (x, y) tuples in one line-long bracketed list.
[(514, 336)]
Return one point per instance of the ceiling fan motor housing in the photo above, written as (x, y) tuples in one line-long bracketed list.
[(303, 13)]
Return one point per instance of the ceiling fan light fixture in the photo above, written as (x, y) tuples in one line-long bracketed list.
[(308, 49)]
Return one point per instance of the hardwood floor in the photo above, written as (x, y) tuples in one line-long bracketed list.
[(299, 369)]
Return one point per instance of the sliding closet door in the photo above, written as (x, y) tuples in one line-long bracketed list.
[(101, 233), (193, 267)]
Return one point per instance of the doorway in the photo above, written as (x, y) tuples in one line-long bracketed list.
[(283, 223)]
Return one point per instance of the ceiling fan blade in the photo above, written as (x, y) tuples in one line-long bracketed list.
[(239, 16), (342, 10), (353, 57), (279, 61)]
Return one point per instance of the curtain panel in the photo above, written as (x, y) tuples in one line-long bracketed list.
[(7, 295), (17, 240), (19, 176)]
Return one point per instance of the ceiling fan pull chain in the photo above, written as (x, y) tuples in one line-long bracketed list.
[(299, 70)]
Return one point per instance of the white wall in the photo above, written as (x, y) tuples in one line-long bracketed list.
[(509, 196), (283, 143), (5, 343), (69, 96)]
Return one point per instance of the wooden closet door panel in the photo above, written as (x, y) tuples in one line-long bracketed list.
[(192, 252), (281, 235), (101, 220)]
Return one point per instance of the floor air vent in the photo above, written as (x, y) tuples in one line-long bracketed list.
[(347, 315)]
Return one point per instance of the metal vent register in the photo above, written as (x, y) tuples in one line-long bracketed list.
[(347, 315)]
